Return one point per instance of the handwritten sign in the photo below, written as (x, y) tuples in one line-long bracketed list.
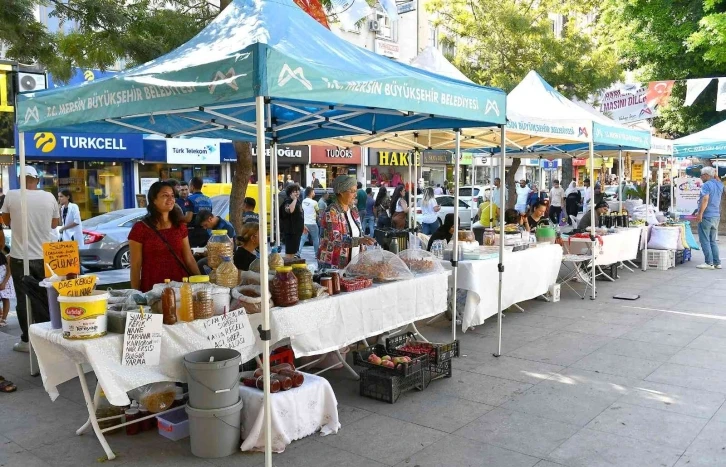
[(142, 339), (62, 257), (81, 286), (230, 331)]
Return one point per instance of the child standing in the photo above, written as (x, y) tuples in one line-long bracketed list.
[(7, 289)]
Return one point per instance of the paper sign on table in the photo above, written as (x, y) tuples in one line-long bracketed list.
[(142, 339), (62, 257), (79, 287), (230, 331)]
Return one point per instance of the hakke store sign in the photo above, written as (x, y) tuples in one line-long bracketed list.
[(391, 158), (334, 155)]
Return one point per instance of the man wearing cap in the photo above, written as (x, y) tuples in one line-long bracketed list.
[(42, 219)]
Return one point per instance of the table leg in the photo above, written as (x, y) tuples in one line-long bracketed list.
[(622, 264), (632, 264), (92, 413), (96, 396), (602, 273), (435, 319), (416, 332)]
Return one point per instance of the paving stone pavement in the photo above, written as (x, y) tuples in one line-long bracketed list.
[(580, 383)]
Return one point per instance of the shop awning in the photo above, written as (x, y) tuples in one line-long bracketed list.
[(710, 142)]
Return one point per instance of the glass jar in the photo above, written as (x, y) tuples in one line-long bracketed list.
[(304, 281), (219, 245), (202, 303), (284, 287), (226, 274)]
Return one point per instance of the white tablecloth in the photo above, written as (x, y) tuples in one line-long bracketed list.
[(620, 246), (319, 326), (296, 413), (57, 358), (527, 274)]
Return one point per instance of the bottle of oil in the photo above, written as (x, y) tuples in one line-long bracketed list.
[(186, 310)]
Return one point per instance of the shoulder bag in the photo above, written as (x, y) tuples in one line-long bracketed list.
[(169, 247)]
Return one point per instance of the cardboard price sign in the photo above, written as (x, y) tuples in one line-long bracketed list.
[(230, 331), (79, 287), (62, 257), (142, 339)]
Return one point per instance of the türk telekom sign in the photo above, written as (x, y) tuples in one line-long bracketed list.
[(335, 155)]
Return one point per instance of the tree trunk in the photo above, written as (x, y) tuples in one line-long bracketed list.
[(567, 174), (243, 171), (511, 183)]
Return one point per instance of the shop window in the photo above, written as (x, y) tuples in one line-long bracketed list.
[(387, 29)]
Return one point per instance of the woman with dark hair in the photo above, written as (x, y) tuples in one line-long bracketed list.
[(445, 232), (248, 241), (70, 218), (399, 208), (292, 220), (342, 232), (381, 207), (159, 243)]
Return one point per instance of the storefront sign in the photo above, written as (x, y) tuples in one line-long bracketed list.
[(438, 158), (637, 174), (577, 162), (72, 145), (286, 155), (687, 190), (192, 151), (335, 155), (388, 49), (142, 339), (390, 158), (62, 258), (549, 165)]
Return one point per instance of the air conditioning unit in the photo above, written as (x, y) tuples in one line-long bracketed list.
[(28, 82), (374, 26)]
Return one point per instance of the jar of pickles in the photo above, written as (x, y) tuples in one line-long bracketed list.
[(202, 303), (304, 281), (284, 287), (219, 245), (226, 274)]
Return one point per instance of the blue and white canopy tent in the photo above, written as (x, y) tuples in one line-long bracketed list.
[(262, 71), (708, 143)]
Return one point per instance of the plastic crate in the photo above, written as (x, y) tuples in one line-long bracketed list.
[(417, 363), (174, 424), (439, 352), (387, 387), (434, 372), (282, 355), (661, 259)]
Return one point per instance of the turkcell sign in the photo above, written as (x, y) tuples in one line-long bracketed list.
[(86, 146)]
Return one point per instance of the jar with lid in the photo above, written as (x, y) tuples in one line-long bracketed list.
[(227, 274), (304, 281), (284, 287), (202, 303), (219, 245), (131, 414)]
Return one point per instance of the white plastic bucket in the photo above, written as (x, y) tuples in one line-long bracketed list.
[(215, 433), (84, 317), (212, 384)]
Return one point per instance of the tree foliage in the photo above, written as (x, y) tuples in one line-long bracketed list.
[(671, 39)]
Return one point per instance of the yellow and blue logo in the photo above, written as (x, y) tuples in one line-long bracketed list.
[(88, 75), (45, 141)]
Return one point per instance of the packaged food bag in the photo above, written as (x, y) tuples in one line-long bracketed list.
[(379, 265)]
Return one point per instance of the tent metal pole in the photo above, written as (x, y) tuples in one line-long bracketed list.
[(541, 176), (646, 172), (455, 238), (621, 192), (276, 184), (672, 179), (592, 216), (264, 330), (26, 264), (273, 194), (500, 266), (660, 177)]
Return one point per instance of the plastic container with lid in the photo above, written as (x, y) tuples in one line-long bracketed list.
[(168, 303), (219, 246), (186, 310), (131, 414), (284, 287), (202, 301), (227, 274), (304, 281)]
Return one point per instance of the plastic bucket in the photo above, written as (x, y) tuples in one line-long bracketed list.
[(215, 384), (215, 433), (84, 317), (53, 305)]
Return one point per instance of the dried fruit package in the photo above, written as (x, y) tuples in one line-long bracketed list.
[(421, 261), (379, 265)]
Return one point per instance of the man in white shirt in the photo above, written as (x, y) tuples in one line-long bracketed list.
[(310, 215), (557, 199), (43, 215), (587, 196), (523, 192), (438, 190)]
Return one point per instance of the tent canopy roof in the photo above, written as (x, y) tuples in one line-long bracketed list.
[(706, 143), (317, 85)]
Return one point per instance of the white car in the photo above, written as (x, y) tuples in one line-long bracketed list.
[(447, 207), (475, 195)]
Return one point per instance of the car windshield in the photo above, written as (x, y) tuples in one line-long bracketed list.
[(465, 192), (103, 219)]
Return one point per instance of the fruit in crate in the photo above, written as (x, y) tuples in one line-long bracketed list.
[(419, 348), (387, 361), (375, 359)]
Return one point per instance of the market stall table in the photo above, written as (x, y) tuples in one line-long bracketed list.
[(623, 245), (527, 275)]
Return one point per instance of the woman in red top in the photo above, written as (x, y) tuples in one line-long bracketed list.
[(159, 244)]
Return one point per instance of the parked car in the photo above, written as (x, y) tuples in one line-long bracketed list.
[(106, 237), (475, 195), (447, 207)]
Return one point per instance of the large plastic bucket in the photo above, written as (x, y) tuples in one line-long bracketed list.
[(53, 306), (84, 317), (215, 384), (215, 433)]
